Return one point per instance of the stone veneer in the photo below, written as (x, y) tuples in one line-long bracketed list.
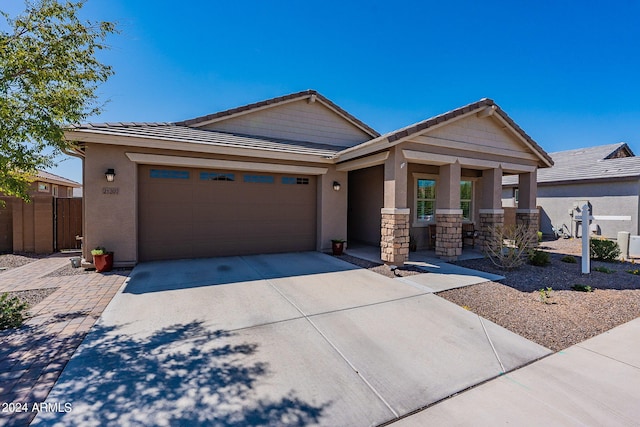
[(448, 236), (530, 219), (487, 222), (394, 245)]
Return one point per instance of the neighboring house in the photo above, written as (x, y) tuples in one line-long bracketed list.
[(35, 226), (292, 173), (607, 177)]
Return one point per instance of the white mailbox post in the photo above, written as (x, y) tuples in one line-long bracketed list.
[(586, 256)]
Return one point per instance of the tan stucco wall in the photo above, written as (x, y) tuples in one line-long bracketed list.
[(295, 121), (111, 219), (332, 208), (110, 207)]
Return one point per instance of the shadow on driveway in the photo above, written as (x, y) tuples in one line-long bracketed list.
[(158, 276), (181, 375)]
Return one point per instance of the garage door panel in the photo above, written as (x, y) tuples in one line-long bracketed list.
[(194, 217)]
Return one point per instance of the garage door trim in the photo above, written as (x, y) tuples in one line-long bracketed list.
[(194, 162)]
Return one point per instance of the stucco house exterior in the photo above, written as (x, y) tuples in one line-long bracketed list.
[(294, 172), (607, 177)]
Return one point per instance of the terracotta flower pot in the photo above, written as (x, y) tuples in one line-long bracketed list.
[(337, 248), (104, 262)]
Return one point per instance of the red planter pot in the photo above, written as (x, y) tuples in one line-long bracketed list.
[(337, 248), (103, 263)]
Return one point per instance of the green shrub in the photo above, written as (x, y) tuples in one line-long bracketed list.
[(539, 258), (582, 288), (546, 295), (603, 270), (569, 259), (539, 236), (604, 250), (12, 311)]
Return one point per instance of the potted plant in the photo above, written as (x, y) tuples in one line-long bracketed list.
[(337, 246), (102, 259)]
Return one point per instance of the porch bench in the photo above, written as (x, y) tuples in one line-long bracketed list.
[(469, 232)]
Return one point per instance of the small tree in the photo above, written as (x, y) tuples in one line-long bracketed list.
[(507, 246), (48, 79)]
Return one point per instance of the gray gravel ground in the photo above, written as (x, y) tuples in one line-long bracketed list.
[(33, 296), (567, 316), (9, 261)]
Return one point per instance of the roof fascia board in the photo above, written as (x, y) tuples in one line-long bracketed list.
[(442, 159), (58, 182), (169, 144), (590, 180), (158, 159), (364, 162), (521, 138), (466, 146)]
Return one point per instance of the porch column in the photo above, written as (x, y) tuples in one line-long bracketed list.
[(394, 244), (491, 212), (527, 213), (448, 213)]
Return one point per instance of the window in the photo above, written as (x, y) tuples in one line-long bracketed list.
[(54, 190), (426, 200), (217, 176), (516, 195), (169, 174), (69, 192), (43, 187), (262, 179), (295, 180), (466, 198)]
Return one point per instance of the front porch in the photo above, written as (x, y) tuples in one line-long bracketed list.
[(437, 178)]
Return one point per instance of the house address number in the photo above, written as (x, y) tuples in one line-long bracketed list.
[(110, 190)]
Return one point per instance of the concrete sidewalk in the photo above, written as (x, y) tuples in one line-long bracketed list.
[(596, 382)]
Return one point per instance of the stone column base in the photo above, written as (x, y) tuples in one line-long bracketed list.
[(448, 236), (488, 222), (530, 220), (394, 245)]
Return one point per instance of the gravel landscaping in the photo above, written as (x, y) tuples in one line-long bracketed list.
[(9, 261), (563, 316), (33, 296)]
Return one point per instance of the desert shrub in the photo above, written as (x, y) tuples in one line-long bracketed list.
[(582, 288), (604, 250), (569, 259), (603, 269), (539, 236), (12, 311), (507, 246), (539, 258)]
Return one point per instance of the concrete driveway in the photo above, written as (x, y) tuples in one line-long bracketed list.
[(293, 339)]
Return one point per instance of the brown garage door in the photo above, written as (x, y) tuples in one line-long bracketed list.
[(194, 213)]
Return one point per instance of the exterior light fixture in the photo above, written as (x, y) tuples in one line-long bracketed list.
[(336, 185), (110, 174)]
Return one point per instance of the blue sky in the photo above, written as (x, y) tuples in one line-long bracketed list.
[(565, 71)]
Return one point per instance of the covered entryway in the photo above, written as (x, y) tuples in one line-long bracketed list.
[(194, 213)]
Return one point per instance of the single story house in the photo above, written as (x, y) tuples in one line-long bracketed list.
[(294, 172), (607, 177), (32, 227)]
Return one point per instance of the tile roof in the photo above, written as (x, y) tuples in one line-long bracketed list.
[(601, 162), (484, 102), (48, 176), (304, 94), (173, 132)]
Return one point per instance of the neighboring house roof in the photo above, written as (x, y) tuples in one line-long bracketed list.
[(306, 94), (601, 162), (52, 178), (179, 133), (397, 136)]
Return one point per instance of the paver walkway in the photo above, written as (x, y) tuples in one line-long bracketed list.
[(32, 357)]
